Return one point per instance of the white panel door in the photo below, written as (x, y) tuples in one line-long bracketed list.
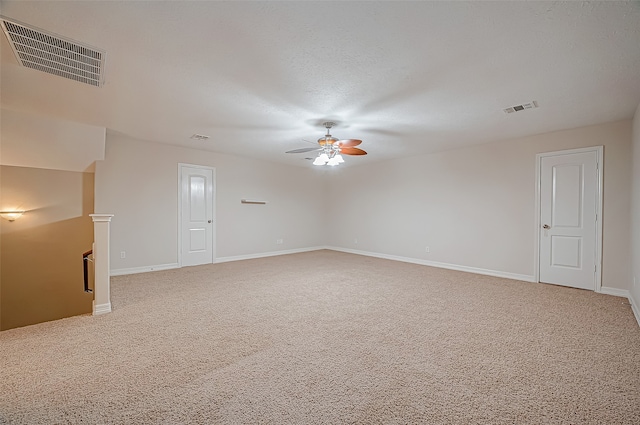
[(196, 193), (568, 207)]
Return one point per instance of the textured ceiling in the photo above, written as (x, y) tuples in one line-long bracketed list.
[(406, 78)]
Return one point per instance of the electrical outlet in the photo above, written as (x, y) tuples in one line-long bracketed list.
[(279, 241), (427, 249), (123, 254), (355, 241)]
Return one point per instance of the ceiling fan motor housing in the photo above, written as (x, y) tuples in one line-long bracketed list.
[(328, 139)]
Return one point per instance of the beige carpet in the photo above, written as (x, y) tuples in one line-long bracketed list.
[(328, 338)]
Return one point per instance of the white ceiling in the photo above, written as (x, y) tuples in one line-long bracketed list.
[(406, 78)]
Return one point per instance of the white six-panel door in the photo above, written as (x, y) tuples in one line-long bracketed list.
[(196, 215), (568, 219)]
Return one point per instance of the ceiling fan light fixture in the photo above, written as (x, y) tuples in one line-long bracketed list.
[(333, 162), (332, 148), (322, 159)]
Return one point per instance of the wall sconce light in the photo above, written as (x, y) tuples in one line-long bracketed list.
[(11, 215)]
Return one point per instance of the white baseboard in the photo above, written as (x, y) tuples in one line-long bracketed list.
[(101, 308), (614, 291), (624, 294), (106, 308), (145, 269), (134, 270), (635, 307), (496, 273), (267, 254)]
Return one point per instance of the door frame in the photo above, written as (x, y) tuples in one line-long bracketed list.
[(599, 150), (181, 165)]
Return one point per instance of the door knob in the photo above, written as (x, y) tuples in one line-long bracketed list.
[(209, 221), (546, 227)]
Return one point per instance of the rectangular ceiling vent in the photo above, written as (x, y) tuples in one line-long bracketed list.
[(53, 54), (517, 108)]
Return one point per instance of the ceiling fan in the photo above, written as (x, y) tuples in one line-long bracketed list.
[(331, 148)]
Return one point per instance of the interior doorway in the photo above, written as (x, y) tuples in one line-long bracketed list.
[(196, 209), (569, 218)]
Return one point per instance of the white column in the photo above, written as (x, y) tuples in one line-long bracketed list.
[(102, 285)]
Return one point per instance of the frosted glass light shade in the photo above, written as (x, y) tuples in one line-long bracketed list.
[(318, 161)]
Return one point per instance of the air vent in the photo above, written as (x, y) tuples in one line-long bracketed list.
[(199, 137), (53, 54), (517, 108)]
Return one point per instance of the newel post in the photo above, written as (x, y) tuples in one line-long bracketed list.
[(102, 285)]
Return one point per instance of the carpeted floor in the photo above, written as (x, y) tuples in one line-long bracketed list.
[(328, 338)]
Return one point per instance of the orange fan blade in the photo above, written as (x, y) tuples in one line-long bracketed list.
[(349, 143), (352, 151)]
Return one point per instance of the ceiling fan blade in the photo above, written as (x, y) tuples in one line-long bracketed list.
[(349, 143), (352, 151), (303, 150)]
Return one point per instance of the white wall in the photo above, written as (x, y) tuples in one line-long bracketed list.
[(138, 182), (474, 207), (37, 141), (635, 216)]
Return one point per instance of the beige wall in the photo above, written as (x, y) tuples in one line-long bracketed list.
[(41, 276), (474, 207), (138, 183), (635, 214), (38, 141)]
